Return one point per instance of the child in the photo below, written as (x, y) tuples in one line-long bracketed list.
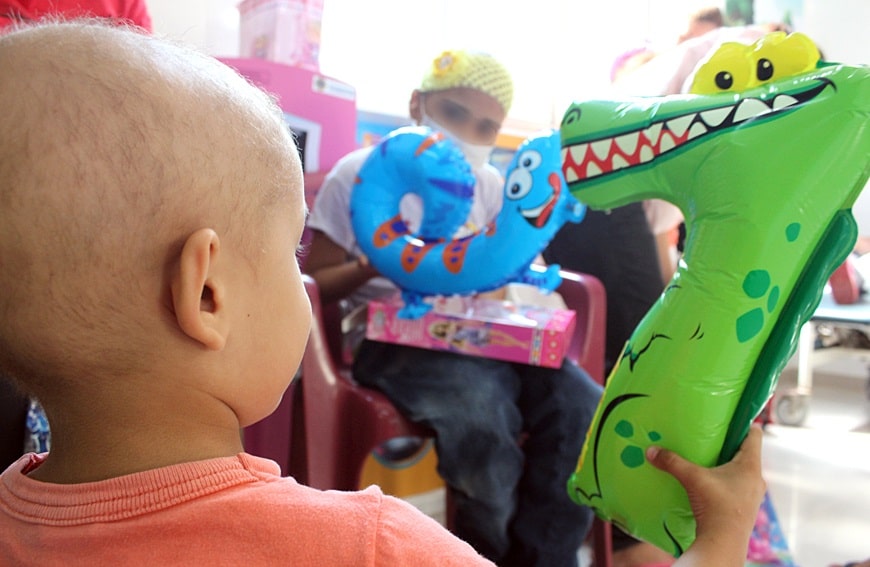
[(150, 202), (511, 500)]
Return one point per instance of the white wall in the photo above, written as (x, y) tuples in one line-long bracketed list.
[(558, 50), (840, 29), (211, 25)]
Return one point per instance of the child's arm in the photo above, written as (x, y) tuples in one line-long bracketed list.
[(336, 276), (725, 501)]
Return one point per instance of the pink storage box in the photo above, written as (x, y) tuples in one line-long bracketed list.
[(320, 110), (283, 31), (480, 327)]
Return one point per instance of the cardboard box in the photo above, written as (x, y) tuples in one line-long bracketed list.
[(501, 330), (283, 31)]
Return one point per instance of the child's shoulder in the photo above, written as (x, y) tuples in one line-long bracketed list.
[(230, 510), (356, 524)]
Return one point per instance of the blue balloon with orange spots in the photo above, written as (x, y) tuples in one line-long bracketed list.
[(429, 262)]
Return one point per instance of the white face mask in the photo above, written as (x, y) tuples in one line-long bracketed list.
[(476, 155)]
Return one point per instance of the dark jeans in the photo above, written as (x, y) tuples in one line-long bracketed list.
[(512, 502)]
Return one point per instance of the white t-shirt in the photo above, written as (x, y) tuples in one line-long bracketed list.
[(331, 212)]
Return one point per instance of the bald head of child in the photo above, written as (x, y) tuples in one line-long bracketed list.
[(150, 206)]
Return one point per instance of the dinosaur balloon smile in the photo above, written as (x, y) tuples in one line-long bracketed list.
[(765, 161), (539, 216), (584, 160)]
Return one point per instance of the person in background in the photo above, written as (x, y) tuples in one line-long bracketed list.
[(702, 21), (133, 12)]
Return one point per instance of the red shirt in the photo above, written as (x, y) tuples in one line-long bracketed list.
[(128, 11)]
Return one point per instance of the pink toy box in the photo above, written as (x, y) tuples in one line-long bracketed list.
[(481, 327), (284, 31)]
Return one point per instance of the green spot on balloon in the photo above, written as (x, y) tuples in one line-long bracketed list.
[(632, 456), (772, 299), (756, 283), (750, 324), (792, 231), (624, 429), (654, 436)]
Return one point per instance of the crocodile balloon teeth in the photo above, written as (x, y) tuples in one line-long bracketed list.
[(595, 158)]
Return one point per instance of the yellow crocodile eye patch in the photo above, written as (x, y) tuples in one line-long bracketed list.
[(737, 67), (729, 70)]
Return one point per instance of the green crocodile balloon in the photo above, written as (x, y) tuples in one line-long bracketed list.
[(765, 159)]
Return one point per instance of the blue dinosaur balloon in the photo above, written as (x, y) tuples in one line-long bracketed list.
[(428, 262)]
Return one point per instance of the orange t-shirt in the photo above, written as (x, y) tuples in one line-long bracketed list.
[(226, 511)]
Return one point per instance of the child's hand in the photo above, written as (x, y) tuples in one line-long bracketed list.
[(725, 500), (362, 262)]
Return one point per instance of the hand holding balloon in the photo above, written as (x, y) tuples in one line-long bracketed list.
[(724, 500)]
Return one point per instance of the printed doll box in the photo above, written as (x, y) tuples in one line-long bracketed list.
[(283, 31), (501, 330)]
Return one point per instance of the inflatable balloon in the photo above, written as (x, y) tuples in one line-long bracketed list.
[(765, 160), (429, 262)]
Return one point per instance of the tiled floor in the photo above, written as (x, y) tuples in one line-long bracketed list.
[(819, 474)]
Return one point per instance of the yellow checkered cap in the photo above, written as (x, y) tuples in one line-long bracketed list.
[(471, 69)]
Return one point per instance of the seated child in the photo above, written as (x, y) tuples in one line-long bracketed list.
[(150, 204), (511, 502)]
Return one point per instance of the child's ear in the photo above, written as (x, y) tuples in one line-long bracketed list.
[(414, 106), (197, 295)]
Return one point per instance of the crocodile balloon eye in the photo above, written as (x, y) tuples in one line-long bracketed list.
[(764, 70), (724, 80), (571, 116)]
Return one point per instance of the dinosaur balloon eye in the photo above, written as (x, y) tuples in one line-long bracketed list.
[(573, 115), (518, 184), (724, 80), (764, 70), (529, 160)]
